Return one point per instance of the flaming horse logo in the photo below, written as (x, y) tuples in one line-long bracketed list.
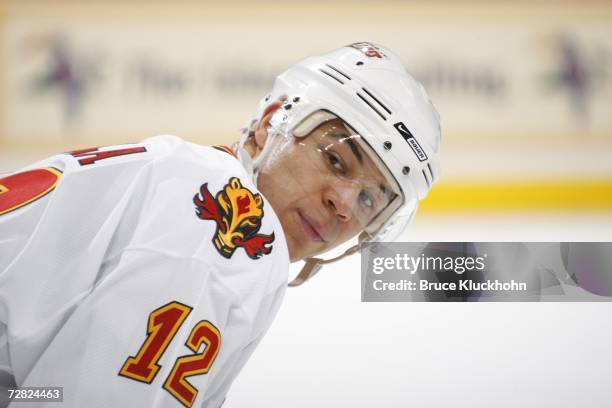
[(237, 213)]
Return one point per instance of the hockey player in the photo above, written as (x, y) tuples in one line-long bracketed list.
[(146, 274)]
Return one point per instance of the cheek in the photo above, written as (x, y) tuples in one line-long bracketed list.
[(273, 190), (285, 182), (281, 189)]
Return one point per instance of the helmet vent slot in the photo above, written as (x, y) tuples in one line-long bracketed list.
[(331, 76), (433, 177), (426, 179), (371, 106), (377, 101), (338, 71)]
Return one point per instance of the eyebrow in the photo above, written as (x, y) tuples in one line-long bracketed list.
[(354, 148)]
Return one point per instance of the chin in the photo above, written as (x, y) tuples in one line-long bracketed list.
[(295, 253), (298, 254), (298, 251)]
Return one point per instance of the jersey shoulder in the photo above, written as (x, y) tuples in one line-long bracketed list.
[(201, 203)]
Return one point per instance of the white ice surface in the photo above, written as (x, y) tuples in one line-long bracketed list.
[(327, 349)]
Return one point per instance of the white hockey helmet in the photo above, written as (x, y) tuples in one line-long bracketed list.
[(368, 88)]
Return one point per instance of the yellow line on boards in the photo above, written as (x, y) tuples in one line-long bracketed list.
[(520, 196)]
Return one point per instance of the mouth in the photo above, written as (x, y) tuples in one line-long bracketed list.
[(310, 228)]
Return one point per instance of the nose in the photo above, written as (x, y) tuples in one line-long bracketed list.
[(337, 201)]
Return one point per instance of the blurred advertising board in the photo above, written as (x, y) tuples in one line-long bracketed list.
[(497, 75)]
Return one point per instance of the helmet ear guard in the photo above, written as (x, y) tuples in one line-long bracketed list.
[(368, 88)]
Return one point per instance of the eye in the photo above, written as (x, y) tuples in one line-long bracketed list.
[(366, 199), (335, 162)]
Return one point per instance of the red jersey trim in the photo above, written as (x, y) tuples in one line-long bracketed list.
[(226, 149)]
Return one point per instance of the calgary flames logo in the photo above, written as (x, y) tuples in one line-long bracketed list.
[(238, 214)]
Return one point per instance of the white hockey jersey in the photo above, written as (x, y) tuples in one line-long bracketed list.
[(138, 275)]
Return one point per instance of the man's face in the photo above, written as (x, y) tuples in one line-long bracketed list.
[(324, 188)]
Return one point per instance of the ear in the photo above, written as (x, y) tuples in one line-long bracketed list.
[(261, 130)]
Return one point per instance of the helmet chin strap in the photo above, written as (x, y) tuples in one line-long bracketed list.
[(314, 265)]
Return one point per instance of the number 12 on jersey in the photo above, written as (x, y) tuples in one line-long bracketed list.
[(163, 324)]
